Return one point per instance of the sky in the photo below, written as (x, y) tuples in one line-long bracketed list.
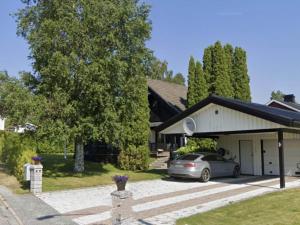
[(268, 30)]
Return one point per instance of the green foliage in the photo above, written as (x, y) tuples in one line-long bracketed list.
[(179, 79), (134, 158), (17, 150), (198, 145), (221, 84), (201, 88), (277, 95), (158, 70), (225, 71), (22, 158), (208, 66), (191, 94), (241, 79), (92, 76), (228, 50)]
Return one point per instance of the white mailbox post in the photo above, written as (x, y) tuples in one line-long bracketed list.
[(27, 171), (36, 175)]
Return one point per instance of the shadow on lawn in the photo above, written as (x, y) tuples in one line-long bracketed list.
[(56, 166)]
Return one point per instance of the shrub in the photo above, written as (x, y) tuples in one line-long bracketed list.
[(16, 152), (134, 158), (24, 157), (197, 145)]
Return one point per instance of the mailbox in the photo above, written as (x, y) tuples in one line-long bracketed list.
[(27, 171)]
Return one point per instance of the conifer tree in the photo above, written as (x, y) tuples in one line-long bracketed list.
[(201, 85), (191, 99), (228, 49), (207, 66), (221, 84), (240, 74)]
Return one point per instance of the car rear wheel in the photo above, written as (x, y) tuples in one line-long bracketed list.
[(205, 175), (236, 172)]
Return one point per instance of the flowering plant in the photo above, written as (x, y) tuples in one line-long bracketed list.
[(37, 158), (120, 178)]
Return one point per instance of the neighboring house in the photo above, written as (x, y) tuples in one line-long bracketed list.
[(288, 103), (264, 140), (22, 128), (165, 101)]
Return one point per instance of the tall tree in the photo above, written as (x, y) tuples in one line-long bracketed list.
[(221, 84), (179, 79), (277, 95), (191, 94), (208, 66), (241, 83), (201, 88), (93, 75), (228, 49), (156, 69)]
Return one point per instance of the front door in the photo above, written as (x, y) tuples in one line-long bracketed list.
[(271, 161), (246, 157)]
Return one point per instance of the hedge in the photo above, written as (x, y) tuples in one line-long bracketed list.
[(134, 158), (16, 150)]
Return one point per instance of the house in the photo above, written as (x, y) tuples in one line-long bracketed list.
[(265, 140), (288, 103), (165, 101)]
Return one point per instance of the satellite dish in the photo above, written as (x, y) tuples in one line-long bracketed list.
[(189, 126)]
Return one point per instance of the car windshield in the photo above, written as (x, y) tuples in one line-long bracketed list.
[(188, 157)]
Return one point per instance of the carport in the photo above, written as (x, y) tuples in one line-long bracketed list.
[(257, 136)]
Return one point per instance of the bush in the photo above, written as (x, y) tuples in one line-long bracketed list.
[(197, 145), (23, 158), (134, 158), (16, 152)]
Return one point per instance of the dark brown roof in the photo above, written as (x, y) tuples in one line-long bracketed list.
[(173, 94)]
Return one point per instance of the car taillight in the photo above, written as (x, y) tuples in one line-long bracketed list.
[(188, 165)]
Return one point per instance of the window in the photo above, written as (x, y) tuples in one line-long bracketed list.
[(188, 157), (212, 158)]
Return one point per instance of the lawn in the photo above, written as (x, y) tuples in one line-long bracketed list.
[(58, 174), (279, 208), (10, 181)]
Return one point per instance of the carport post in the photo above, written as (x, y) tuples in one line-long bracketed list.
[(281, 159)]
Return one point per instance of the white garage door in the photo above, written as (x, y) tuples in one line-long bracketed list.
[(271, 160), (246, 157), (291, 157)]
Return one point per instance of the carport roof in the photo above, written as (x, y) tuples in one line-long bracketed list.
[(276, 115)]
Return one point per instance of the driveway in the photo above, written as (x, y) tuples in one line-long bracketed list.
[(161, 201)]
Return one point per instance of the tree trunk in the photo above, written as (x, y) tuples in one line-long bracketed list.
[(79, 157)]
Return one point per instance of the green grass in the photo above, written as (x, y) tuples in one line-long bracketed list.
[(58, 174), (279, 208)]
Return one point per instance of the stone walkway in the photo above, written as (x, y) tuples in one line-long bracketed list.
[(159, 202)]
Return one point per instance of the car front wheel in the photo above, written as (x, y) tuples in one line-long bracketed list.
[(205, 175)]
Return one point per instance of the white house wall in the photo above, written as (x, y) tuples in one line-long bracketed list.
[(291, 150), (216, 118)]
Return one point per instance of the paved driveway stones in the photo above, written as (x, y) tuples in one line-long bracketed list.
[(160, 201)]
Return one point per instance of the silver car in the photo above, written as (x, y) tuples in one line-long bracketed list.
[(203, 166)]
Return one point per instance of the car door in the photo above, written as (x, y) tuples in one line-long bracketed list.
[(216, 165), (223, 167)]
